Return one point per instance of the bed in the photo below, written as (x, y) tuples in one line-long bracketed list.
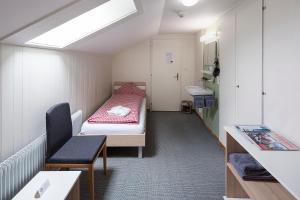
[(122, 134)]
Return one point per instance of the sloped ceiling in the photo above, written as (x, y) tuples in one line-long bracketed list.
[(21, 21), (16, 14), (117, 38)]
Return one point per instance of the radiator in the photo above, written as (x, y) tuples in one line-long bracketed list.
[(18, 169), (76, 122)]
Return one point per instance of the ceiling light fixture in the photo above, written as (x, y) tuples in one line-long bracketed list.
[(209, 37), (189, 3), (88, 23)]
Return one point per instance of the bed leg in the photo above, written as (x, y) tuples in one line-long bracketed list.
[(140, 152)]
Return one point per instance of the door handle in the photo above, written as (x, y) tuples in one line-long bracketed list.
[(177, 76)]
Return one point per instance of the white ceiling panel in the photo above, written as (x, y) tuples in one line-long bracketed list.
[(197, 17)]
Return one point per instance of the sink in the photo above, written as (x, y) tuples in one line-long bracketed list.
[(198, 90)]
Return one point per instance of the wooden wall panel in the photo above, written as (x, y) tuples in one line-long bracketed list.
[(33, 79)]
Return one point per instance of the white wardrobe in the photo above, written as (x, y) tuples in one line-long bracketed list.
[(259, 52), (281, 67), (241, 66)]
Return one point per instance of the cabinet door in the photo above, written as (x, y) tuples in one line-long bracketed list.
[(281, 67), (227, 76), (249, 63)]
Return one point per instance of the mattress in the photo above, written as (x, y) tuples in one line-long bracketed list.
[(117, 129)]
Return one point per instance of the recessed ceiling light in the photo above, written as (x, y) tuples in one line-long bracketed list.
[(86, 24), (189, 3)]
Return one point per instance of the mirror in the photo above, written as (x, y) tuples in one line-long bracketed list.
[(209, 55)]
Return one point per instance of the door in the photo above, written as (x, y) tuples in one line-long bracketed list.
[(166, 63), (249, 63)]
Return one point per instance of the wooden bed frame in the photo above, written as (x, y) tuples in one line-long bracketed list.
[(130, 139)]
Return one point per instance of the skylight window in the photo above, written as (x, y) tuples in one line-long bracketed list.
[(89, 22)]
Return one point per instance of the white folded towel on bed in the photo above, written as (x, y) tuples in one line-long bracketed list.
[(119, 111)]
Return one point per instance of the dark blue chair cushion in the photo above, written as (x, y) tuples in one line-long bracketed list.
[(58, 127), (78, 150)]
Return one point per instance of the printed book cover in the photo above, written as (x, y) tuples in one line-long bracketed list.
[(266, 139)]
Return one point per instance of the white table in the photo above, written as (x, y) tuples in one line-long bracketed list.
[(283, 165), (63, 185)]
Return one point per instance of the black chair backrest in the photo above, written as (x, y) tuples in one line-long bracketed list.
[(58, 127)]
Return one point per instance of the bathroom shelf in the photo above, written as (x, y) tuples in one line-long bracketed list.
[(206, 72)]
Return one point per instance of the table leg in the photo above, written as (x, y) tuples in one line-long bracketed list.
[(91, 181), (104, 159), (75, 192)]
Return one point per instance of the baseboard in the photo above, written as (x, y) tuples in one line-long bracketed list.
[(211, 132)]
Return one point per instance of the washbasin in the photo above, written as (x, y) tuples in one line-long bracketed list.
[(198, 90)]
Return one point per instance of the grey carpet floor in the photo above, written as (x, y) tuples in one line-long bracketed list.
[(182, 160)]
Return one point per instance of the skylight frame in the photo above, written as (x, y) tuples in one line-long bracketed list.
[(133, 8)]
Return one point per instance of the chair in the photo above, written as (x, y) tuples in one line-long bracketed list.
[(65, 151)]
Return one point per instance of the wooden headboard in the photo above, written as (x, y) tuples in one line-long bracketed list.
[(118, 84)]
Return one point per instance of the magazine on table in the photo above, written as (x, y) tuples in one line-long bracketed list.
[(266, 139)]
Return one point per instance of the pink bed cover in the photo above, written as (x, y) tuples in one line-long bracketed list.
[(127, 100)]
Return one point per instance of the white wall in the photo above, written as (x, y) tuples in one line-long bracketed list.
[(134, 64), (199, 65), (34, 79), (199, 60)]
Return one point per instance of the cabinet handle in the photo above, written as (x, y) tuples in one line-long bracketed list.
[(177, 76)]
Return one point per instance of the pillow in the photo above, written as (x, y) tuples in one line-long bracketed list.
[(130, 88)]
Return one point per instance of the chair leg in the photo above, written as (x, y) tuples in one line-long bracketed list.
[(91, 182), (104, 159)]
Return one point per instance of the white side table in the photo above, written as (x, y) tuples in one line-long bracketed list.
[(62, 185)]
